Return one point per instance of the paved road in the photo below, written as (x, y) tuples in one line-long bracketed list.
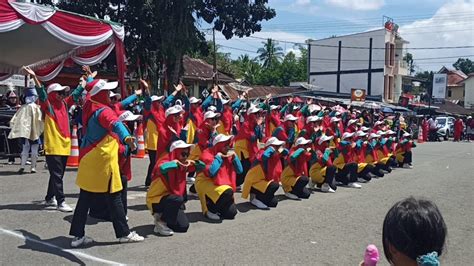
[(327, 229)]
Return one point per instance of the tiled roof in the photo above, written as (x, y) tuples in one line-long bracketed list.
[(197, 69)]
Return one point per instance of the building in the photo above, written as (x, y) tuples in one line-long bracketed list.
[(468, 91), (371, 60), (454, 87)]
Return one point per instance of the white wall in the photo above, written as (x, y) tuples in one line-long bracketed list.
[(351, 59), (469, 89)]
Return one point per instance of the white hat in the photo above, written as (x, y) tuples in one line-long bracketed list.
[(57, 87), (302, 141), (274, 141), (253, 109), (157, 98), (212, 108), (361, 133), (352, 121), (373, 136), (179, 144), (312, 118), (113, 94), (390, 132), (364, 128), (378, 123), (314, 107), (381, 133), (469, 117), (194, 100), (174, 110), (210, 114), (100, 85), (221, 138), (406, 134), (224, 101), (324, 138), (337, 113), (335, 119), (290, 117), (128, 116), (273, 107), (347, 135)]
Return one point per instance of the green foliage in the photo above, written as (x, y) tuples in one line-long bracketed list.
[(411, 66), (465, 65), (270, 54)]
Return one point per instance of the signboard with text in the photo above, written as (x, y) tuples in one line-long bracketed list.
[(439, 86)]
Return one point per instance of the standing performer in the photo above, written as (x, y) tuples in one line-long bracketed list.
[(99, 164), (216, 184), (458, 129)]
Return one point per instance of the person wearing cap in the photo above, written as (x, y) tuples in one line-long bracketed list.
[(99, 171), (216, 184), (345, 162), (371, 156), (287, 130), (263, 178), (167, 193), (117, 105), (334, 130), (403, 152), (170, 130), (194, 118), (322, 171), (359, 151), (312, 129), (294, 177), (272, 119), (13, 104), (352, 126), (57, 136), (247, 139), (383, 151), (378, 125), (27, 125), (227, 117)]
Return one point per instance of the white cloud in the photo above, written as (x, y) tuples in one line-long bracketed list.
[(452, 25), (305, 6), (357, 4)]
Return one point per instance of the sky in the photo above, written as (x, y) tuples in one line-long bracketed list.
[(423, 23)]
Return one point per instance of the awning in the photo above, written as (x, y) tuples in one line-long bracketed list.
[(43, 38)]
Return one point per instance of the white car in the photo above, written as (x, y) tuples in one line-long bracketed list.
[(445, 126)]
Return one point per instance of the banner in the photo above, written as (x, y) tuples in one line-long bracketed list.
[(439, 86), (358, 95)]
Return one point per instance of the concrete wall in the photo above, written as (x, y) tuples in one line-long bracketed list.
[(469, 97), (457, 93)]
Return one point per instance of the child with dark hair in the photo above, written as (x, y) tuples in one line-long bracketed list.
[(414, 233)]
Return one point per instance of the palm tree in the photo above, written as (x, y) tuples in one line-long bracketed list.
[(248, 68), (270, 53)]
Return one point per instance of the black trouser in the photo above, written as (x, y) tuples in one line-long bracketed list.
[(14, 145), (152, 157), (268, 198), (224, 206), (171, 210), (246, 168), (377, 170), (114, 205), (299, 189), (56, 167), (406, 158), (99, 207), (388, 165), (348, 174), (365, 173)]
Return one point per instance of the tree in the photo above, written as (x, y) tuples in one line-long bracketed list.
[(409, 59), (465, 65), (160, 32), (427, 83), (270, 53), (247, 68)]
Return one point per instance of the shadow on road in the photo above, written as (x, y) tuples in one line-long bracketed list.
[(90, 220), (139, 207), (137, 188), (11, 173), (51, 246), (33, 206), (245, 207), (194, 217)]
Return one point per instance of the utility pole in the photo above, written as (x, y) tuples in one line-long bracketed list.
[(214, 69)]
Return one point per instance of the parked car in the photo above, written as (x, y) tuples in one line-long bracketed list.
[(445, 126)]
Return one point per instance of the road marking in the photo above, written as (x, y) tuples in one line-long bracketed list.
[(73, 252)]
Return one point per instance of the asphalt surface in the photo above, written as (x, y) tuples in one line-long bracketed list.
[(327, 229)]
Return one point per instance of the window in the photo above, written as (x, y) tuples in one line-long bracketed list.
[(387, 53), (392, 54), (385, 87), (390, 87), (450, 93)]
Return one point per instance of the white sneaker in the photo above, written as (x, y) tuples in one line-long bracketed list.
[(257, 203), (354, 185), (10, 163), (81, 241), (408, 166), (291, 196), (51, 202), (213, 216), (64, 207), (28, 163), (126, 218), (311, 185), (33, 170), (361, 180), (326, 188), (190, 180), (162, 229), (131, 238)]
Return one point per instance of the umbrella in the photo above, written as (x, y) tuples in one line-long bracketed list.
[(387, 110), (371, 105)]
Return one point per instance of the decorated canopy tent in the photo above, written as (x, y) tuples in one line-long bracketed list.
[(45, 38)]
